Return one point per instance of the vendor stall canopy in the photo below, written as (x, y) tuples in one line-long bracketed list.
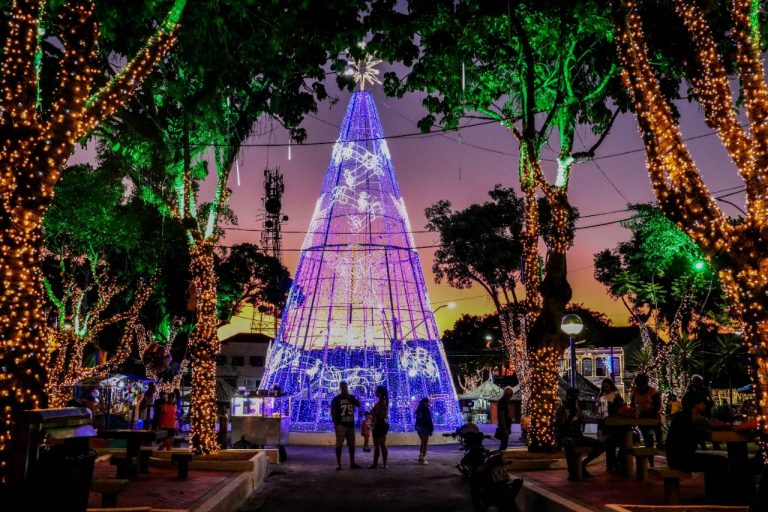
[(358, 310)]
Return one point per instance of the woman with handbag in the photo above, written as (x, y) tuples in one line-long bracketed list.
[(504, 418), (380, 414)]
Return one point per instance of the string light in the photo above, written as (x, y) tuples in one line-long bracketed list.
[(34, 151), (738, 251), (143, 340), (204, 346), (358, 309), (544, 364), (79, 328)]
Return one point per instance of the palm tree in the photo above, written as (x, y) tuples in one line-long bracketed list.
[(729, 357)]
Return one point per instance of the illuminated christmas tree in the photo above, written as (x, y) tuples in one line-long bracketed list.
[(358, 310)]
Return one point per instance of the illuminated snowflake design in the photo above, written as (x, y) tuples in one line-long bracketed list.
[(419, 362), (364, 70)]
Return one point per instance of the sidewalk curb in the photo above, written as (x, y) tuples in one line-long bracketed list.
[(534, 496), (234, 494)]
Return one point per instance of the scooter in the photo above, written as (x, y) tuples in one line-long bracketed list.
[(489, 483)]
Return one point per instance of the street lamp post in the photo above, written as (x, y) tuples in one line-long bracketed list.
[(449, 305), (572, 325)]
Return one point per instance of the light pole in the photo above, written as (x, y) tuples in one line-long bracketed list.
[(449, 305), (572, 325)]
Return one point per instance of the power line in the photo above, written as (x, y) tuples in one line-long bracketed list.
[(605, 175), (365, 139), (740, 189)]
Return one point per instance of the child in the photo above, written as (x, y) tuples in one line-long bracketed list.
[(365, 430), (424, 427)]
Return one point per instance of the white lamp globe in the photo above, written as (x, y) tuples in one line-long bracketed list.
[(571, 324)]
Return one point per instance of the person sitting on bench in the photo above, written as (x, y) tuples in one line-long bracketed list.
[(569, 420), (686, 430)]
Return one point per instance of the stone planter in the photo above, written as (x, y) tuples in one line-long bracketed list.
[(674, 508), (519, 459)]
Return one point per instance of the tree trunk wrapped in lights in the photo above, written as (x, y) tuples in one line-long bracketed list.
[(539, 69), (204, 347), (35, 144), (738, 251)]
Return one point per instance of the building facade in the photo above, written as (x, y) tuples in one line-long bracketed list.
[(597, 363), (242, 358)]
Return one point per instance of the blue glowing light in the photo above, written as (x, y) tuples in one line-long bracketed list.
[(358, 310)]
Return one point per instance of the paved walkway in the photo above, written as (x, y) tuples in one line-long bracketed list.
[(161, 489), (309, 482)]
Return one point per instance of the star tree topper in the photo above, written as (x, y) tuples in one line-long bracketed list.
[(364, 70)]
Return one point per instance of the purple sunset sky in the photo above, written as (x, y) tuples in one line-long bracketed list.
[(440, 166), (435, 167)]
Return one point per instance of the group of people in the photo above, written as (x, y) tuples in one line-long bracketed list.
[(375, 424), (685, 433), (644, 402), (161, 413)]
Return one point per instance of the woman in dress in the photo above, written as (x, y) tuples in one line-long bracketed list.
[(424, 427), (380, 415)]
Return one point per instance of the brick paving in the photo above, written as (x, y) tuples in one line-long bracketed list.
[(605, 488), (161, 489)]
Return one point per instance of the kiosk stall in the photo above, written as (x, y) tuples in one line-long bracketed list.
[(257, 420)]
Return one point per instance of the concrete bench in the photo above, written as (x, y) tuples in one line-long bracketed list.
[(121, 509), (642, 458), (578, 453), (182, 460), (145, 452), (109, 488), (671, 479), (126, 466)]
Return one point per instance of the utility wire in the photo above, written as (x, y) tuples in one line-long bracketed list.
[(365, 139), (605, 175)]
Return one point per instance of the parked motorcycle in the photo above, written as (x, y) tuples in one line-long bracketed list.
[(489, 483)]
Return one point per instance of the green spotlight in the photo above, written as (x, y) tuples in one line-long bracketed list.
[(699, 265)]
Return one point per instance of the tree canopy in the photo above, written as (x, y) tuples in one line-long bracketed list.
[(658, 268), (475, 348)]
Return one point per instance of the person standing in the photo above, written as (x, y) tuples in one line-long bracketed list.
[(343, 414), (424, 427), (504, 418), (365, 430), (147, 405), (168, 421), (158, 406), (380, 415)]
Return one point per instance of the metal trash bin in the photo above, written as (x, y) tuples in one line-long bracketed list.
[(57, 469)]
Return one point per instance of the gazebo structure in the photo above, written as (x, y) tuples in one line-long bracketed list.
[(358, 310)]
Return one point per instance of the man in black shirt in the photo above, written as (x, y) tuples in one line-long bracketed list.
[(343, 415)]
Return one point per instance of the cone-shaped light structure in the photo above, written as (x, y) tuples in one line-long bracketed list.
[(358, 310)]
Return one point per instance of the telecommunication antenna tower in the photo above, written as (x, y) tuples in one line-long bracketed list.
[(271, 239)]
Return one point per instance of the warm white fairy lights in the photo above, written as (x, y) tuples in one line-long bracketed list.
[(738, 251), (36, 144)]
